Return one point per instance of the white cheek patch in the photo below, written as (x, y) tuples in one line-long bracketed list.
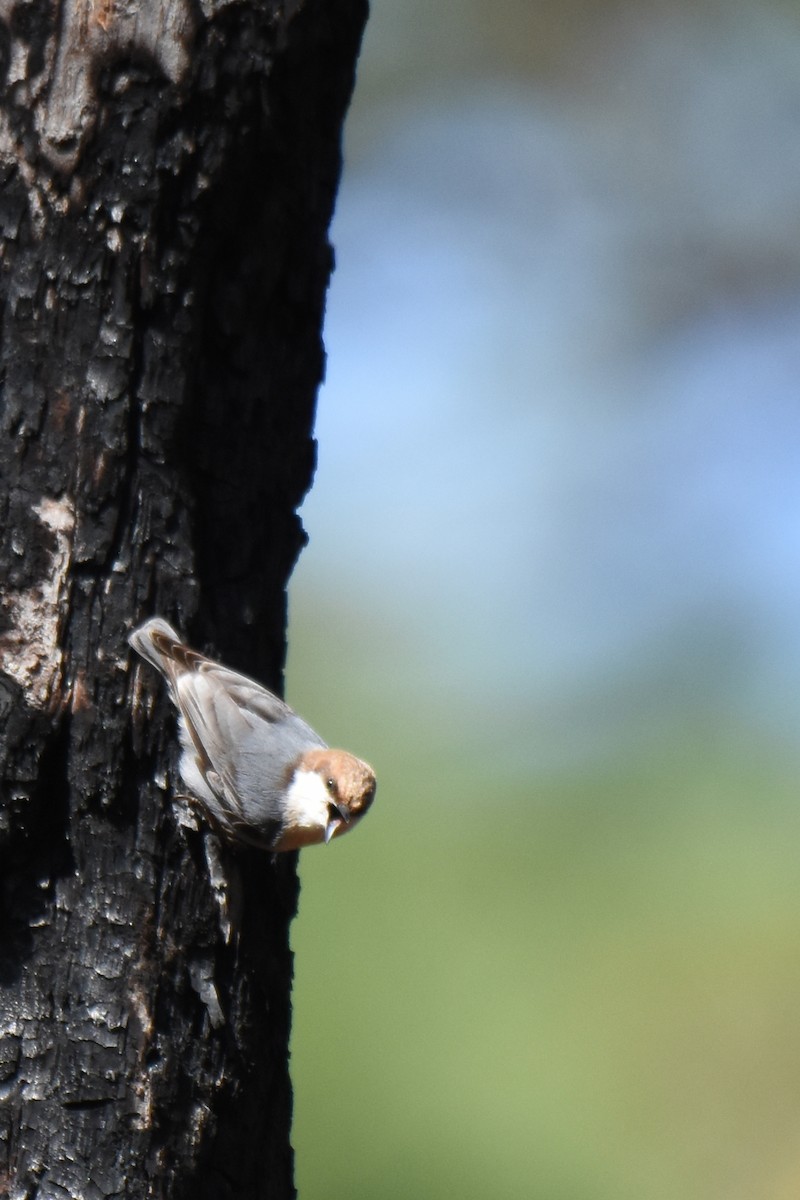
[(307, 802)]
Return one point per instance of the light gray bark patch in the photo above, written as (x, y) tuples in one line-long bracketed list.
[(88, 35), (30, 650)]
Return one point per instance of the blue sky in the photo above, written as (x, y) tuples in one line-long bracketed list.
[(559, 435)]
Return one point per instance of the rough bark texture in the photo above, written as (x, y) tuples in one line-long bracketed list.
[(168, 170)]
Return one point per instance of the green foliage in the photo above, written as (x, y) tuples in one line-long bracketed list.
[(574, 987)]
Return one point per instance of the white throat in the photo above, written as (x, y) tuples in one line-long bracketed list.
[(307, 802)]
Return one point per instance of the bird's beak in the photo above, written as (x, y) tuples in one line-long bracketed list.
[(337, 816)]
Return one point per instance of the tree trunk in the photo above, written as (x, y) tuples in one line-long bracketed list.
[(168, 174)]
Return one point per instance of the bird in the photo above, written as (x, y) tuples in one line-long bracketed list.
[(262, 775)]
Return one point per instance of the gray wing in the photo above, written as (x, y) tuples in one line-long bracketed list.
[(249, 738)]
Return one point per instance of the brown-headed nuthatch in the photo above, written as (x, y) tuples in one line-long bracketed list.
[(262, 774)]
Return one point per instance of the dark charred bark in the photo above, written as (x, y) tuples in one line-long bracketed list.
[(168, 174)]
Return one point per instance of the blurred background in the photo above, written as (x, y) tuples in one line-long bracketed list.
[(552, 592)]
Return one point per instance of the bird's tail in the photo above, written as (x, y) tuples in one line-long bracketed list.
[(159, 644)]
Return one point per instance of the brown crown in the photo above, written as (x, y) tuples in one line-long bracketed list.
[(353, 780)]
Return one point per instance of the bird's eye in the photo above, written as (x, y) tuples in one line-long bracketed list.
[(330, 784)]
